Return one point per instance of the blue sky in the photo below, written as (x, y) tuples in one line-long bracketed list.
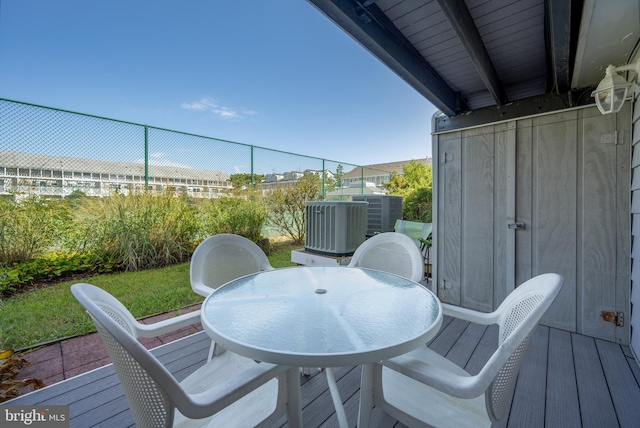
[(275, 74)]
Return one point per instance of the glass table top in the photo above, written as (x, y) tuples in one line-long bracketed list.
[(321, 316)]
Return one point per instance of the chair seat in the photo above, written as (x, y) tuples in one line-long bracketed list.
[(261, 402), (419, 400)]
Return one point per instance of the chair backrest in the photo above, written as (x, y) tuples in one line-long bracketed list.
[(150, 389), (222, 258), (519, 315), (111, 306), (390, 252)]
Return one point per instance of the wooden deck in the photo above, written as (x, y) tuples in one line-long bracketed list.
[(567, 380)]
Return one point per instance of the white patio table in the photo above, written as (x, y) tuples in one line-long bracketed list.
[(322, 317)]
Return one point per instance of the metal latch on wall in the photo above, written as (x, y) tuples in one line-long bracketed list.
[(519, 225), (616, 318)]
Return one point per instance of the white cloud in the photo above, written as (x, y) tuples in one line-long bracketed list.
[(204, 104), (226, 113), (213, 106)]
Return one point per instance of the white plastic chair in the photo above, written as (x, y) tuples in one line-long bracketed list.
[(222, 258), (229, 390), (390, 252), (423, 388), (116, 310)]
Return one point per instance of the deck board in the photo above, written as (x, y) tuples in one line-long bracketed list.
[(485, 347), (528, 406), (566, 380), (620, 378), (596, 406), (461, 352), (562, 406), (450, 333)]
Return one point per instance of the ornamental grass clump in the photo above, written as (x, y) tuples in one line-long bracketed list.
[(140, 231), (239, 215), (30, 227)]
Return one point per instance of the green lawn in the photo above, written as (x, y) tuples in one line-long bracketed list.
[(52, 313)]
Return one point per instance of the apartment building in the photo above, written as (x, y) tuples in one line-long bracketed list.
[(59, 176)]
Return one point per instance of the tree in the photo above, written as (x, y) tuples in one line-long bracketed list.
[(417, 205), (287, 207), (329, 183), (339, 174), (414, 176), (415, 187), (244, 180)]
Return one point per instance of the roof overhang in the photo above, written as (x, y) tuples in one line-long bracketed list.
[(478, 59)]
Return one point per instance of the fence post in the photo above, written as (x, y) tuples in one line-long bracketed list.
[(324, 189), (253, 178), (146, 158)]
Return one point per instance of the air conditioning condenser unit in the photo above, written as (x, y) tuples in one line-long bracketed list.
[(335, 228)]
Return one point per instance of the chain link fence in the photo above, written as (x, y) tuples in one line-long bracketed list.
[(54, 153)]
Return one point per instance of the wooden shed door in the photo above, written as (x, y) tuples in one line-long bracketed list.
[(544, 194), (475, 186)]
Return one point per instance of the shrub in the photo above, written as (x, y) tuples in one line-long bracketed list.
[(51, 266), (139, 231), (287, 206), (241, 216)]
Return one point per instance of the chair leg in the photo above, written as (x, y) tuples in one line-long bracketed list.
[(366, 396), (294, 404), (335, 396)]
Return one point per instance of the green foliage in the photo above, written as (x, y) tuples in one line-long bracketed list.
[(30, 227), (280, 255), (144, 293), (415, 186), (244, 180), (339, 174), (240, 216), (417, 205), (414, 176), (137, 231), (51, 266), (330, 183), (286, 207), (52, 239), (77, 194)]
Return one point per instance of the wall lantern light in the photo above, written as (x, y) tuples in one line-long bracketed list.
[(612, 90)]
